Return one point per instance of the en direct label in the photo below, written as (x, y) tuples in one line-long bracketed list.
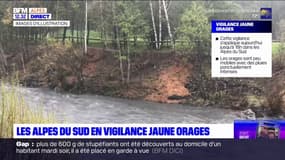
[(241, 48)]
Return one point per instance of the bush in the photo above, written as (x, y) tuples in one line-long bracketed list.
[(275, 93), (275, 103), (279, 61), (14, 110), (56, 63)]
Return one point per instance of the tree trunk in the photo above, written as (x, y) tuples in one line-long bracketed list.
[(64, 35), (114, 36), (117, 35), (88, 32), (36, 36), (135, 40), (102, 25), (120, 55), (114, 42), (23, 62), (160, 25), (168, 24), (56, 10), (86, 28), (77, 34), (72, 31), (129, 62), (153, 24), (80, 75)]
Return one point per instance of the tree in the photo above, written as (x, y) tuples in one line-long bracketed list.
[(86, 27), (168, 23), (160, 23), (103, 33), (153, 25), (131, 22), (195, 29), (117, 37)]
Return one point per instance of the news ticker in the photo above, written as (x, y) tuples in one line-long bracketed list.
[(265, 129), (158, 149), (36, 17)]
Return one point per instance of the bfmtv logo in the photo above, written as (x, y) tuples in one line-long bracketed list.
[(20, 10), (265, 13)]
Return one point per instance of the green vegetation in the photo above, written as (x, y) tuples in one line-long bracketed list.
[(278, 55), (14, 110), (195, 29), (276, 47)]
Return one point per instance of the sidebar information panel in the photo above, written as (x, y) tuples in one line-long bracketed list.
[(241, 48)]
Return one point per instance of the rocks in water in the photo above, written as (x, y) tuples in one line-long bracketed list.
[(176, 97), (248, 114), (257, 104), (68, 83), (31, 81)]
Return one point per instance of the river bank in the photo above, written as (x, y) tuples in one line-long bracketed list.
[(157, 76)]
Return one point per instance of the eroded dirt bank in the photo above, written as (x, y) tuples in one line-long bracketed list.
[(164, 76)]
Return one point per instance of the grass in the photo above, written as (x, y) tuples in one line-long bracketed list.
[(15, 110)]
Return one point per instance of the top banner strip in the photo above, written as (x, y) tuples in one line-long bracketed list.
[(142, 0)]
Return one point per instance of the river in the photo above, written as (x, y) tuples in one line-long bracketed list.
[(71, 108)]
